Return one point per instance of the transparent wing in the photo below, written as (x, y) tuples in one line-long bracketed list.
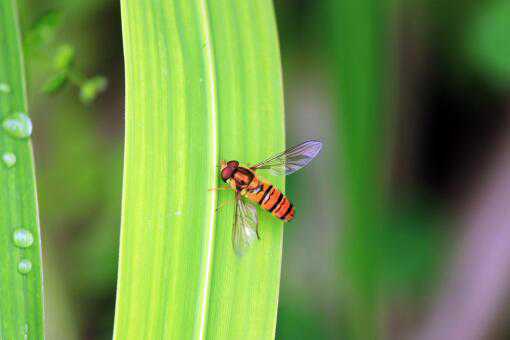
[(291, 160), (244, 230)]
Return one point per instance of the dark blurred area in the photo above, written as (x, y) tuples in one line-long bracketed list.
[(434, 77)]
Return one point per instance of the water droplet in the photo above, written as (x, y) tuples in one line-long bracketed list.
[(5, 88), (24, 266), (9, 159), (18, 125), (23, 238), (25, 331)]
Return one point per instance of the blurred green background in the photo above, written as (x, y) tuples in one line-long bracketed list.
[(401, 228)]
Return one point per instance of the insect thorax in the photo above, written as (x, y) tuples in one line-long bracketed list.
[(243, 177)]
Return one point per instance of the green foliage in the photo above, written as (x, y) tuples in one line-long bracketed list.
[(488, 41), (55, 83), (299, 320), (359, 58), (21, 306), (38, 41), (42, 32), (91, 88), (412, 238), (203, 80), (64, 58)]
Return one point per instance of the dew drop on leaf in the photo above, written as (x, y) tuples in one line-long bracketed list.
[(18, 125), (5, 88), (9, 159), (25, 332), (24, 266), (23, 238)]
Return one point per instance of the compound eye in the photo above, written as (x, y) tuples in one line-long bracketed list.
[(233, 164), (227, 173)]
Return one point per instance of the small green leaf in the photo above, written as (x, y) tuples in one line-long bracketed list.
[(64, 58), (55, 83), (47, 24), (91, 88), (43, 30)]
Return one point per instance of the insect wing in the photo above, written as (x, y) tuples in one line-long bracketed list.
[(244, 230), (291, 160)]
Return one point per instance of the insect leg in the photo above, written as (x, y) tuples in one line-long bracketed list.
[(220, 188), (225, 203)]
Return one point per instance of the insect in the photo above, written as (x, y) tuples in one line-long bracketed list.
[(245, 182)]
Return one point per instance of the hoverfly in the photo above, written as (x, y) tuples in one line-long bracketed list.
[(246, 183)]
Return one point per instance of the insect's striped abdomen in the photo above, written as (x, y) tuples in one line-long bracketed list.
[(272, 200)]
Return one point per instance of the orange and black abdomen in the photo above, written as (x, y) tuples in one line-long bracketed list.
[(271, 199)]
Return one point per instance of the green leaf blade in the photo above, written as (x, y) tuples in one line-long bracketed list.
[(251, 129), (197, 92), (21, 305)]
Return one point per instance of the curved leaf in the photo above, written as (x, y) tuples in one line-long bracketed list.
[(21, 306), (203, 83)]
